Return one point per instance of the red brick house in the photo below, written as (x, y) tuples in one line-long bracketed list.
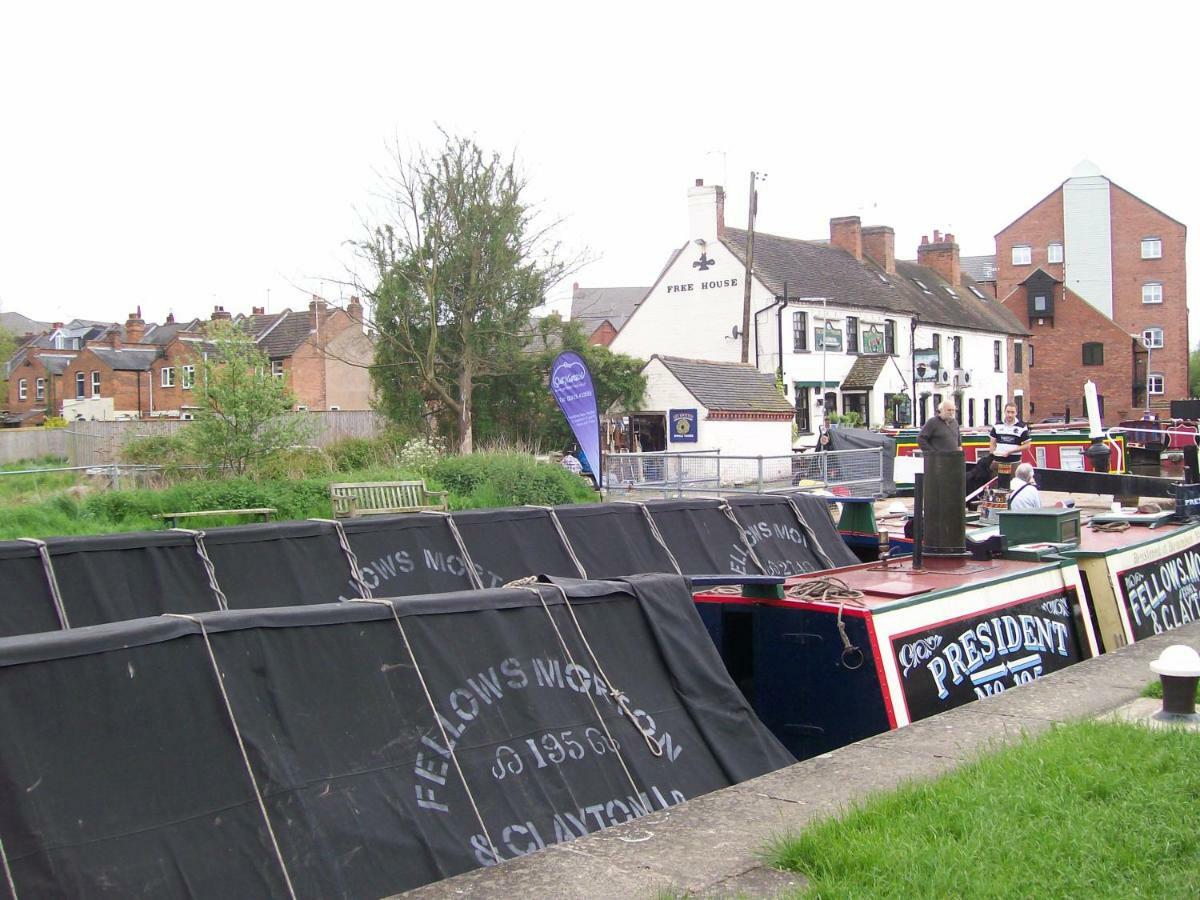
[(1074, 342), (1117, 253)]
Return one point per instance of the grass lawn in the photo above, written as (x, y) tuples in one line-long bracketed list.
[(1086, 810)]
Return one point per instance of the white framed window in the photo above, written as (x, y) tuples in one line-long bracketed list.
[(1151, 248), (277, 367), (187, 377), (1155, 383), (1153, 338), (80, 379), (1054, 253), (1039, 304), (23, 389), (95, 384), (40, 387), (167, 378), (1022, 255), (1152, 292)]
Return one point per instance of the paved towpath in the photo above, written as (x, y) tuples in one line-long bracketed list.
[(708, 847)]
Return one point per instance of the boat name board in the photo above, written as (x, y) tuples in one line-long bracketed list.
[(1162, 594)]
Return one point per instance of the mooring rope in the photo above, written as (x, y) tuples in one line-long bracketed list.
[(832, 590), (728, 510), (209, 569), (51, 580), (655, 747), (237, 733), (1109, 526), (355, 571), (811, 535), (449, 745), (654, 531), (472, 573)]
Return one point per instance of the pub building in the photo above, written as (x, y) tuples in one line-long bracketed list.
[(851, 328)]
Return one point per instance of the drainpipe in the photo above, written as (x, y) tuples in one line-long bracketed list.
[(912, 358), (774, 303), (779, 329)]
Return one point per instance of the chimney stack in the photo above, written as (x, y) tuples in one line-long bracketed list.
[(113, 338), (135, 327), (355, 310), (845, 233), (219, 314), (941, 255), (170, 318), (258, 310), (706, 211), (879, 243), (316, 311)]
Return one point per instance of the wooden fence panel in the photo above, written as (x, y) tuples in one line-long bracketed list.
[(18, 444)]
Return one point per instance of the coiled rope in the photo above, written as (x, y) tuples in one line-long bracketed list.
[(1109, 526), (829, 589)]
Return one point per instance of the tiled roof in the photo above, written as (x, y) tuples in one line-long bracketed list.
[(56, 364), (125, 360), (864, 373), (727, 387), (289, 330), (19, 325), (816, 269), (980, 268), (594, 306)]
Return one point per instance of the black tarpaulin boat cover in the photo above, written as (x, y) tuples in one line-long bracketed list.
[(815, 511), (280, 564), (613, 539), (405, 555), (121, 771), (842, 438), (114, 577), (507, 544), (703, 538), (26, 605), (779, 538)]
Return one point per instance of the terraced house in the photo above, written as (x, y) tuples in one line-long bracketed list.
[(95, 370)]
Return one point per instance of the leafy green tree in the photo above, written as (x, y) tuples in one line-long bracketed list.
[(458, 266), (1194, 373), (518, 405), (244, 413)]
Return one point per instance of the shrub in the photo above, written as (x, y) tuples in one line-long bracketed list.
[(420, 455), (495, 479), (353, 453)]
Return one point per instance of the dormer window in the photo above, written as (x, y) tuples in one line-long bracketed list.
[(1039, 303)]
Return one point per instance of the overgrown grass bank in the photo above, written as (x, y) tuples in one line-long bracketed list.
[(1087, 810), (476, 480)]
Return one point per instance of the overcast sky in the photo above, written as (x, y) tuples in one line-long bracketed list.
[(179, 157)]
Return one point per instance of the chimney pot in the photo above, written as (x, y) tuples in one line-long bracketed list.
[(942, 257), (699, 182)]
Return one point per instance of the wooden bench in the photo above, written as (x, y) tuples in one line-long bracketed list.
[(378, 498), (171, 519)]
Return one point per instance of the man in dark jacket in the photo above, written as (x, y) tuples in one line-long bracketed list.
[(941, 432)]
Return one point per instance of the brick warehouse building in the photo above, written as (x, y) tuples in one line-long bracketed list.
[(1075, 342), (1107, 247)]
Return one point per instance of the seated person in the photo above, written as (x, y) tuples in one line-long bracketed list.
[(1024, 493)]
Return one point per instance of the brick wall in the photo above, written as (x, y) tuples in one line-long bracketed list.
[(1133, 219), (1039, 227), (31, 369), (1055, 382)]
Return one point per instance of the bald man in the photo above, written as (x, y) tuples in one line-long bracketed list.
[(941, 432)]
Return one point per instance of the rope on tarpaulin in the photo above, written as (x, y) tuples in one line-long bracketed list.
[(51, 580), (12, 884), (351, 558), (835, 591), (728, 510), (562, 536), (657, 535), (237, 733), (209, 569)]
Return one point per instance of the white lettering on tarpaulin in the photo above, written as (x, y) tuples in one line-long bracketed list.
[(913, 654), (739, 557), (468, 702), (704, 285), (1167, 595), (968, 655), (523, 838), (395, 564)]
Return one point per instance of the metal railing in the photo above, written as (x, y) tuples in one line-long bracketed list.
[(852, 473)]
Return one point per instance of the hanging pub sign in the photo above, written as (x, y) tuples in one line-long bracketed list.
[(684, 426), (950, 663), (872, 339), (926, 364), (829, 337), (1163, 594)]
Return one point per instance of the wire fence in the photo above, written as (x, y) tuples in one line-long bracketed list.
[(851, 473)]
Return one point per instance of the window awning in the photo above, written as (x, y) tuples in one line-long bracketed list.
[(815, 384)]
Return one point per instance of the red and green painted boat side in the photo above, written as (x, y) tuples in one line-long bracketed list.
[(1051, 444)]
